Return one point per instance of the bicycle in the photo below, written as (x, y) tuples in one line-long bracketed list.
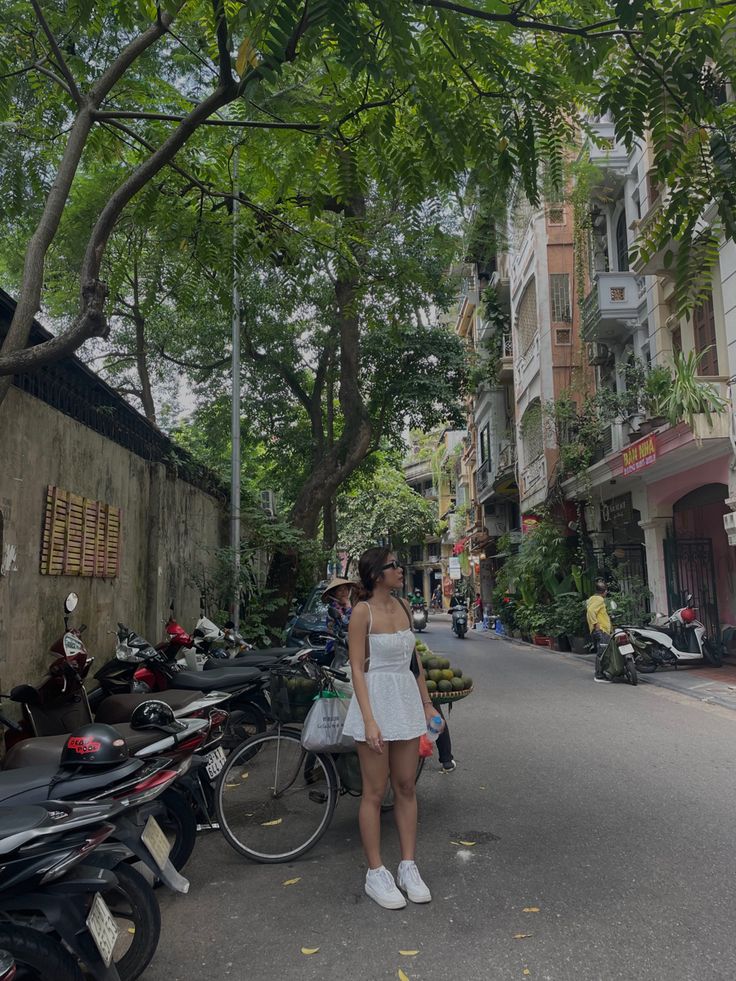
[(274, 799)]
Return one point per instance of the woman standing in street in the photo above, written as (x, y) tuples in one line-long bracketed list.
[(388, 713)]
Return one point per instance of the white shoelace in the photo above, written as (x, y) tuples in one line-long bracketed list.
[(410, 871), (383, 878)]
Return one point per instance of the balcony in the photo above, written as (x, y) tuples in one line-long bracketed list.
[(611, 156), (506, 366), (534, 477), (506, 460), (611, 309), (483, 477)]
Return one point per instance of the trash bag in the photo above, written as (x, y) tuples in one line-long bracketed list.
[(612, 660)]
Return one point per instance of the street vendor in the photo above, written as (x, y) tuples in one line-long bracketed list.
[(336, 596)]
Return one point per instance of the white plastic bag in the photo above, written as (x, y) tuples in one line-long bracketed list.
[(322, 732)]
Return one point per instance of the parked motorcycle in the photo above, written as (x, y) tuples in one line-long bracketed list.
[(459, 620), (619, 657), (62, 881), (675, 640)]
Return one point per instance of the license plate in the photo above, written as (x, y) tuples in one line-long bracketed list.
[(156, 842), (626, 649), (215, 762), (103, 928)]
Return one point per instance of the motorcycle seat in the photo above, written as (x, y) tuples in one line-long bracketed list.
[(261, 661), (270, 652), (217, 679), (46, 750), (34, 784), (14, 820), (119, 708)]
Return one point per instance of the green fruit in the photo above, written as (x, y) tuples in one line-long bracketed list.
[(447, 674), (431, 686), (425, 660), (435, 663), (444, 686), (435, 675), (457, 684), (445, 663), (457, 672), (467, 683)]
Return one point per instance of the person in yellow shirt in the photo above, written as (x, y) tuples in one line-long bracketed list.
[(599, 624)]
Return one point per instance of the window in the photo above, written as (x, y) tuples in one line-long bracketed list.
[(526, 317), (485, 444), (559, 289), (622, 243), (416, 554), (556, 215), (704, 330), (80, 537), (532, 432), (563, 335)]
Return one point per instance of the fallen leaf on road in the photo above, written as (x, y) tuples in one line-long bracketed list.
[(309, 950), (530, 909), (271, 824), (521, 936), (292, 882), (244, 776), (408, 953), (231, 785), (526, 972), (402, 976)]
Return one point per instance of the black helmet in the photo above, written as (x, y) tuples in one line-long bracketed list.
[(155, 714), (94, 745)]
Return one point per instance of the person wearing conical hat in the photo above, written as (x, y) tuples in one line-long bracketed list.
[(336, 596)]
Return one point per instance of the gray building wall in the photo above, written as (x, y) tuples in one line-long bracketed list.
[(170, 530)]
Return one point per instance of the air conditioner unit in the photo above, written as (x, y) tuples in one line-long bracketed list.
[(268, 502), (598, 354)]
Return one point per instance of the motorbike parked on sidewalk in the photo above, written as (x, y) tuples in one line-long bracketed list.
[(459, 620), (671, 641), (63, 881), (619, 657)]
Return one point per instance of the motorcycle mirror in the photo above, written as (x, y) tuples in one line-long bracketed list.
[(70, 603)]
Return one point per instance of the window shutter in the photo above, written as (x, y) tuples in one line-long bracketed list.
[(81, 537), (704, 329)]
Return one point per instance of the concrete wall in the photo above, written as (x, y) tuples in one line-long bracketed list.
[(169, 532)]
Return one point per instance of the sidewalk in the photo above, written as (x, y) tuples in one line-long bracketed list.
[(714, 685)]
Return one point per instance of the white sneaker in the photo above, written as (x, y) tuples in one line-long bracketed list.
[(380, 886), (411, 882)]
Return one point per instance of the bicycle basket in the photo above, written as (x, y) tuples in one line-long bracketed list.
[(292, 693)]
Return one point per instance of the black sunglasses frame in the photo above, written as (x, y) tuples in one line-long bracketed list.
[(391, 565)]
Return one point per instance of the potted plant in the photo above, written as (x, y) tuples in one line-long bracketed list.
[(655, 393), (688, 397), (568, 616)]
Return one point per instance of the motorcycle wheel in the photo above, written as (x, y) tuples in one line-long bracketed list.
[(134, 907), (711, 654), (246, 720), (37, 957), (630, 668), (177, 817)]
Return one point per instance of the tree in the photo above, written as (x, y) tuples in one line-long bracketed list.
[(382, 507)]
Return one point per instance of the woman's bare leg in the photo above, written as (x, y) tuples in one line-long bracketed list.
[(374, 771), (403, 760)]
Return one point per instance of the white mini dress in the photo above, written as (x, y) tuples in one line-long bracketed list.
[(392, 689)]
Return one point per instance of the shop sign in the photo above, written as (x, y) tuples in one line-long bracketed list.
[(453, 567), (617, 511), (639, 455)]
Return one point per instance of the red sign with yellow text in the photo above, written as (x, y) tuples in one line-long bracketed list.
[(639, 455)]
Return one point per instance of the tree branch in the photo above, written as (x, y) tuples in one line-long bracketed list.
[(590, 31), (223, 48), (105, 115), (61, 63)]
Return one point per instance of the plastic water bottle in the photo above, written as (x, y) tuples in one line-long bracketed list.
[(434, 727)]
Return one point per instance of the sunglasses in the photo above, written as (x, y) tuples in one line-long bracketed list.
[(393, 564)]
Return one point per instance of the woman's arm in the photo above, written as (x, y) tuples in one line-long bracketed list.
[(357, 643)]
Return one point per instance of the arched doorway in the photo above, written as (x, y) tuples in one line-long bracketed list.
[(698, 558)]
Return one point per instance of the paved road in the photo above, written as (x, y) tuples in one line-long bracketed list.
[(609, 809)]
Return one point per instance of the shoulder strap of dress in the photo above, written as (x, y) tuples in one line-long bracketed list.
[(404, 607), (370, 615)]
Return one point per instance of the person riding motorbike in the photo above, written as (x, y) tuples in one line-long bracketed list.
[(416, 600), (599, 624)]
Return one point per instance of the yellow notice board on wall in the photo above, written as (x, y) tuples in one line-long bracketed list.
[(81, 537)]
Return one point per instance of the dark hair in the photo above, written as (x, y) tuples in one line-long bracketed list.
[(370, 569), (601, 585)]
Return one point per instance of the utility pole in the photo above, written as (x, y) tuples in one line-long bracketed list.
[(235, 415)]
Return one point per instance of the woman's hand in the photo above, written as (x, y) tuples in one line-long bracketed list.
[(429, 713), (373, 736)]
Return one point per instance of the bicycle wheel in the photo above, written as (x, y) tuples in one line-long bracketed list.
[(271, 808)]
